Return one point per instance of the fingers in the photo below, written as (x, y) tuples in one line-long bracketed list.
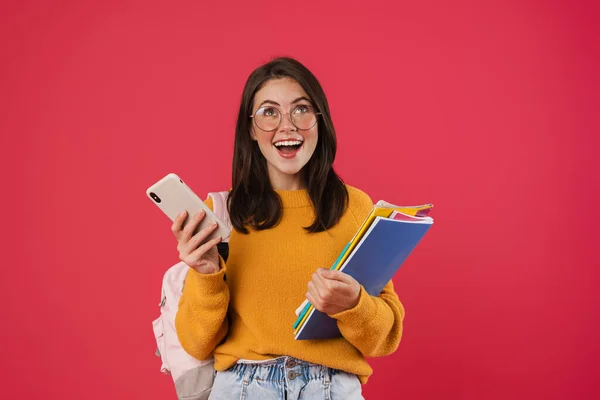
[(199, 237), (313, 300), (325, 285), (313, 288), (187, 245), (314, 297), (200, 251), (331, 291), (321, 293), (184, 234), (177, 223), (335, 275), (191, 226), (322, 299), (318, 281)]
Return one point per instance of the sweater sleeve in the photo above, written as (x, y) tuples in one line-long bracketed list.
[(374, 325), (201, 320)]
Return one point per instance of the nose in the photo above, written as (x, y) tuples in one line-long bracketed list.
[(286, 122)]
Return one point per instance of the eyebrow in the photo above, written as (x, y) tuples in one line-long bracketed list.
[(299, 99)]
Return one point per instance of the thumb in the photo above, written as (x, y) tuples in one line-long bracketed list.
[(334, 274), (326, 273)]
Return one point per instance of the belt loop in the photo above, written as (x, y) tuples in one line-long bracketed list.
[(248, 373), (327, 382)]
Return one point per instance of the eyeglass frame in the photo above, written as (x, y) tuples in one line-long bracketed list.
[(281, 115)]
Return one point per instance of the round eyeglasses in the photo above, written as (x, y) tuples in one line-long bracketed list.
[(268, 118)]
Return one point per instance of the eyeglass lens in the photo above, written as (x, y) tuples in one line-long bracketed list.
[(268, 118)]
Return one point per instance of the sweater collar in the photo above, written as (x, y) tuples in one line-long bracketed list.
[(294, 198)]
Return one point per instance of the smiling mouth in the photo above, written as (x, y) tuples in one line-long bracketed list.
[(288, 148)]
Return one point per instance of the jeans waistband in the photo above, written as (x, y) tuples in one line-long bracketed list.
[(282, 368)]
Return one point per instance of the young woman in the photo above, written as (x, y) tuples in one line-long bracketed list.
[(292, 216)]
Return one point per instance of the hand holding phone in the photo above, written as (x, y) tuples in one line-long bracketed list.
[(193, 223), (194, 250)]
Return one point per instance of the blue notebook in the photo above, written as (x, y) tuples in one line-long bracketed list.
[(374, 261)]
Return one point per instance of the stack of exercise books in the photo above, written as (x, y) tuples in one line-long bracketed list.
[(385, 239)]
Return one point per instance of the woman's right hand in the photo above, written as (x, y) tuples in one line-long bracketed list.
[(204, 258)]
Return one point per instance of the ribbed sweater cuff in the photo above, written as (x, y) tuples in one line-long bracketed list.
[(362, 314), (208, 284)]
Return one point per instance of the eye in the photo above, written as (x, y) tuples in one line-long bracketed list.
[(268, 112), (302, 109)]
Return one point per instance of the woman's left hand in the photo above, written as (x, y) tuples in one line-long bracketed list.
[(332, 291)]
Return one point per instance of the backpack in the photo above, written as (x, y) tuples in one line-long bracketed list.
[(193, 378)]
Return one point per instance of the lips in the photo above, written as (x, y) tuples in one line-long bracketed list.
[(288, 148)]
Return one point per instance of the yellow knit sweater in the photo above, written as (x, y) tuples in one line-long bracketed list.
[(267, 275)]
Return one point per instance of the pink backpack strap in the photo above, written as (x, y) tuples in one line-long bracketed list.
[(193, 378), (220, 207)]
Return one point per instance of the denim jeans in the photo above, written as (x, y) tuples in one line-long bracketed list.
[(284, 378)]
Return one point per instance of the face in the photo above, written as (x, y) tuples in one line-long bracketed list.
[(287, 149)]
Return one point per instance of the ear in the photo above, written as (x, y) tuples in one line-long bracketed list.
[(253, 134)]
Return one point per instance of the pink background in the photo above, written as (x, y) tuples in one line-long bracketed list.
[(490, 111)]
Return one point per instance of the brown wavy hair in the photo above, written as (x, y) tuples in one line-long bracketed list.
[(252, 201)]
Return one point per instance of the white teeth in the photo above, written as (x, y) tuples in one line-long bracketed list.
[(288, 143)]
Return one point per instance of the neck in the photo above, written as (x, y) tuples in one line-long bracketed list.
[(281, 181)]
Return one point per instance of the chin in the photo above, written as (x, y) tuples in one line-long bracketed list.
[(288, 168), (290, 171)]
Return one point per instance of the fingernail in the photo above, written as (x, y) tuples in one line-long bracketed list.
[(214, 223), (182, 214)]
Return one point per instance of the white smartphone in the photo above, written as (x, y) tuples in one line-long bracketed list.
[(173, 197)]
